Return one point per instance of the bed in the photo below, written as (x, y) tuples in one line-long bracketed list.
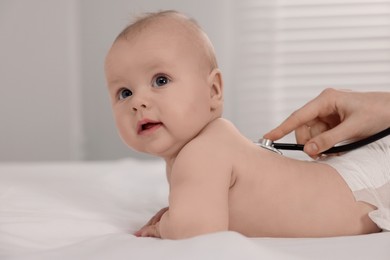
[(89, 210)]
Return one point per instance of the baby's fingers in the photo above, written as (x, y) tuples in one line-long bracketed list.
[(148, 231), (156, 218)]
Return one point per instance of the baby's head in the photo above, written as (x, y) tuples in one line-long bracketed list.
[(169, 20), (164, 82)]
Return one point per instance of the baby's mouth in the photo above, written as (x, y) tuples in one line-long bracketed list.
[(147, 126)]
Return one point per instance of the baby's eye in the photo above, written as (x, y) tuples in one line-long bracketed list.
[(125, 93), (160, 81)]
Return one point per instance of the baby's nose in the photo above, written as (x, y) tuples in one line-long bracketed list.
[(138, 107), (139, 102)]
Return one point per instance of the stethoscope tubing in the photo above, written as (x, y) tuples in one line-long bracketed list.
[(336, 149)]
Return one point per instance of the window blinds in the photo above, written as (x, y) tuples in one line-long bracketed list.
[(288, 51)]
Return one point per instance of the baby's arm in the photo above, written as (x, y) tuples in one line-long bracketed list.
[(199, 187)]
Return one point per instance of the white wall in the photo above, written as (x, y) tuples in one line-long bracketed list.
[(53, 101), (38, 82)]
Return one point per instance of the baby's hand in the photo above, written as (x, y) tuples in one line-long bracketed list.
[(151, 228)]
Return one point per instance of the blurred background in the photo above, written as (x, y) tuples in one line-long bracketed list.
[(275, 55)]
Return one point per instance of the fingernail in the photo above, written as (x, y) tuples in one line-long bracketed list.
[(312, 148)]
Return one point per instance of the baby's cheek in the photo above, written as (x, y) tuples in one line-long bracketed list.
[(124, 131)]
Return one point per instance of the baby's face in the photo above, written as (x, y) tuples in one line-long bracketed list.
[(160, 90)]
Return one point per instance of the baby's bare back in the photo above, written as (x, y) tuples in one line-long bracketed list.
[(276, 196)]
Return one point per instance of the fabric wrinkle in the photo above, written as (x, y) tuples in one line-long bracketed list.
[(367, 173)]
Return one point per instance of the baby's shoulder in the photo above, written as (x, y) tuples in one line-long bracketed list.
[(207, 138), (219, 128), (206, 153), (218, 137)]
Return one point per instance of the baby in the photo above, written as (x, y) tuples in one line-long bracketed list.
[(166, 92)]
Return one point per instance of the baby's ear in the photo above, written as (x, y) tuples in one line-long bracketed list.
[(216, 89)]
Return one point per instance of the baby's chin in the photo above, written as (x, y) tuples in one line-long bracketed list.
[(153, 150)]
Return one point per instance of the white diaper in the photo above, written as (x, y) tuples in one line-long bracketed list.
[(367, 172)]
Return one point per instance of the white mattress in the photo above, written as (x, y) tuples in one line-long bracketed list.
[(80, 210)]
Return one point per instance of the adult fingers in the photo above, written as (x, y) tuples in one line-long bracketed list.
[(302, 134), (322, 106), (298, 118), (313, 128), (328, 139)]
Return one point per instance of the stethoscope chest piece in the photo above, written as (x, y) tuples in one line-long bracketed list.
[(268, 144)]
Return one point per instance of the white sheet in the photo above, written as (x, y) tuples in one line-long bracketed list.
[(89, 211)]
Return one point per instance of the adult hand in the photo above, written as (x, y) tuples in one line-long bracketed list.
[(151, 229), (335, 116)]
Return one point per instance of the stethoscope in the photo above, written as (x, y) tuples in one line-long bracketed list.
[(276, 147)]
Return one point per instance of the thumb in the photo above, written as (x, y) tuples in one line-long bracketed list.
[(327, 139)]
